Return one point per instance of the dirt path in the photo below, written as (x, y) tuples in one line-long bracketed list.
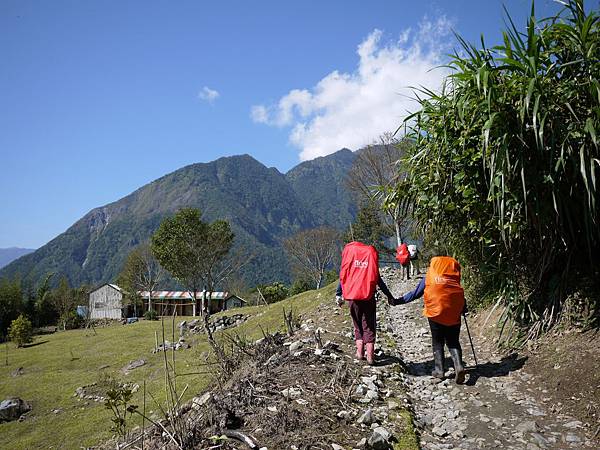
[(501, 405)]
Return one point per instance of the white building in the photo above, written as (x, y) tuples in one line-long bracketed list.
[(106, 302)]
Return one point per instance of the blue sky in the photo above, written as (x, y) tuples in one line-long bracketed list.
[(99, 98)]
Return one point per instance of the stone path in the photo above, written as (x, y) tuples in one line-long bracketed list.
[(500, 406)]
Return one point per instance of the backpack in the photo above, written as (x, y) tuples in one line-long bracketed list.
[(359, 272), (444, 297), (412, 249), (402, 254)]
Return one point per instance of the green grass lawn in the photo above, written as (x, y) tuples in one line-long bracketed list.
[(57, 364)]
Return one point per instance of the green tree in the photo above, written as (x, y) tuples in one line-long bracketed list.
[(368, 227), (300, 284), (274, 292), (506, 161), (141, 272), (21, 331), (11, 300), (64, 300), (45, 312), (193, 251)]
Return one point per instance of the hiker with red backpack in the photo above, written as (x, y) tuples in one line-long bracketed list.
[(403, 257), (444, 301), (359, 278)]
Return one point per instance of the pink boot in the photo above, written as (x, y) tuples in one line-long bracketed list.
[(370, 353), (360, 354)]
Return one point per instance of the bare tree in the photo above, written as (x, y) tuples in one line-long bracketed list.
[(141, 272), (313, 251), (375, 173)]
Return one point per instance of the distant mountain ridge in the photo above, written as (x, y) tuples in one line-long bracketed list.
[(263, 206), (8, 255)]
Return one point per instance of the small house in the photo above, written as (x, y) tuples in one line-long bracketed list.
[(233, 301), (166, 302), (106, 302)]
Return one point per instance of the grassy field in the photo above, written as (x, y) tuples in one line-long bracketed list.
[(57, 364)]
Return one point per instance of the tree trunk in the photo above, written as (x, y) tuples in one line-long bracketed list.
[(195, 303), (319, 280), (149, 300)]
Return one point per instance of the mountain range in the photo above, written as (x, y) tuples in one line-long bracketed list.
[(263, 206), (7, 255)]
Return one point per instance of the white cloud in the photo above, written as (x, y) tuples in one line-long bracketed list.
[(354, 109), (209, 95)]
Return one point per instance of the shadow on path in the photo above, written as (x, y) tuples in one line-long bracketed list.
[(388, 360), (507, 364)]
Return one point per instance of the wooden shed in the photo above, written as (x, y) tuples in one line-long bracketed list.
[(106, 302)]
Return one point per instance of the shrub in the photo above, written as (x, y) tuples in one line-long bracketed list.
[(505, 163), (331, 276), (21, 331), (300, 285), (274, 292), (151, 315), (71, 320)]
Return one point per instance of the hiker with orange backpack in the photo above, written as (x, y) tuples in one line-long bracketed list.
[(359, 278), (444, 301)]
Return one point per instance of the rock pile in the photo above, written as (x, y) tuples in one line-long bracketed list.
[(96, 393), (218, 324), (167, 345), (224, 322)]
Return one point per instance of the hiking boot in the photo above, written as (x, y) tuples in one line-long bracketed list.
[(360, 352), (438, 362), (459, 369), (370, 353)]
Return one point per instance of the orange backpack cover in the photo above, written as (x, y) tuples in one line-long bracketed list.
[(359, 272), (444, 297)]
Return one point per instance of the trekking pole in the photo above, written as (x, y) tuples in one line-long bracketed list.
[(470, 340)]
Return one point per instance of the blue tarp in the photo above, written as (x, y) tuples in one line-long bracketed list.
[(82, 311)]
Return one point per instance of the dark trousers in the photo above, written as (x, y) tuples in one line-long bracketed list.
[(364, 318), (444, 334)]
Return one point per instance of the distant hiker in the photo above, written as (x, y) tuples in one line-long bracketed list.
[(444, 301), (403, 257), (359, 278), (414, 259)]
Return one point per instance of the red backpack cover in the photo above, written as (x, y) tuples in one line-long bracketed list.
[(359, 272), (402, 254)]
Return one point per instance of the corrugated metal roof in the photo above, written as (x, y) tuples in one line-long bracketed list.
[(114, 286), (183, 295)]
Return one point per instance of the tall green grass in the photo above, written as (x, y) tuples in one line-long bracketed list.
[(505, 171)]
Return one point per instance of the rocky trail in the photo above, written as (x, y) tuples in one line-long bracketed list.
[(500, 406), (305, 390)]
